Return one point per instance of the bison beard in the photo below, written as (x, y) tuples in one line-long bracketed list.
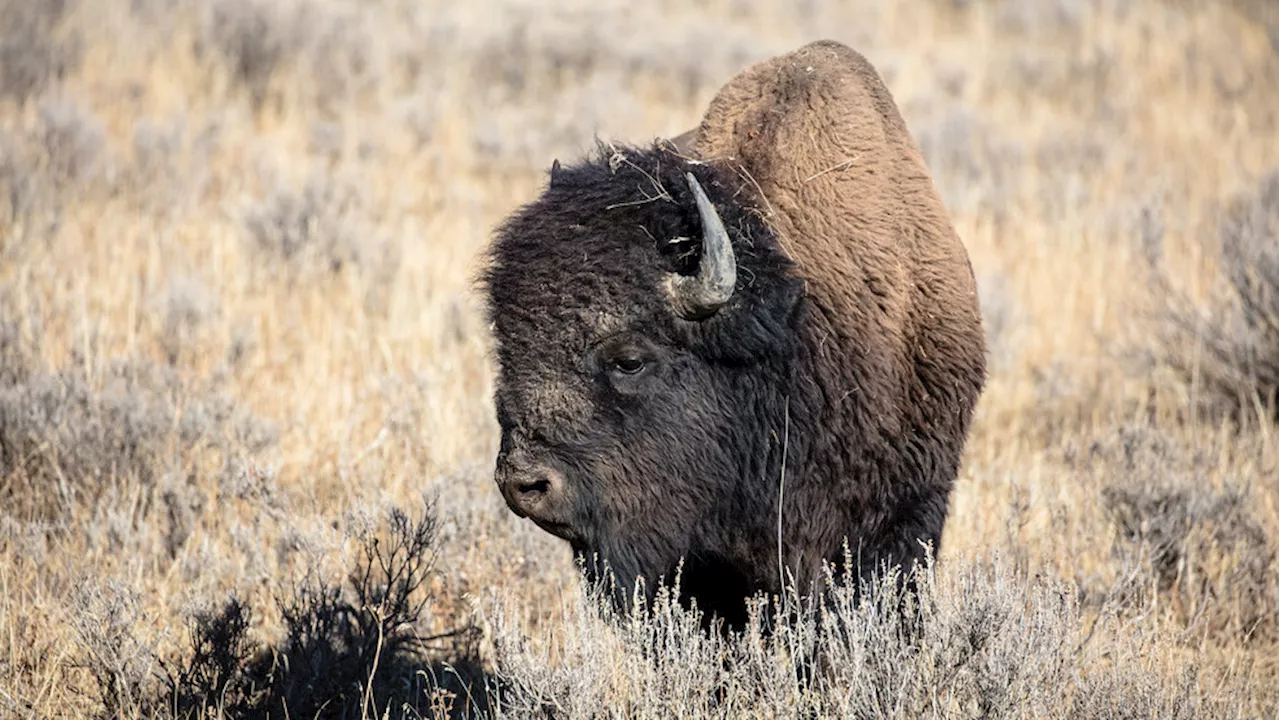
[(649, 395)]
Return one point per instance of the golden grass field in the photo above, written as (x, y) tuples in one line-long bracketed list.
[(238, 324)]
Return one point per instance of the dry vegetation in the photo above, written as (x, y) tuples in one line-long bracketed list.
[(245, 427)]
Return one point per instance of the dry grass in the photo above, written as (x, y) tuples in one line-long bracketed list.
[(985, 643), (237, 330)]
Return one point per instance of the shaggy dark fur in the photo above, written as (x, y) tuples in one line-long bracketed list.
[(851, 352)]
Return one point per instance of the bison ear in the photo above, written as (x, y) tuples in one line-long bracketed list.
[(555, 172), (683, 142)]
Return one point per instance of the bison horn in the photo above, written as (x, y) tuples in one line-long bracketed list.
[(700, 296)]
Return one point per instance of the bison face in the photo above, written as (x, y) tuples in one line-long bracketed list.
[(631, 371), (639, 376)]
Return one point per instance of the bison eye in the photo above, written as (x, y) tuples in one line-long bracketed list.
[(627, 365), (627, 362)]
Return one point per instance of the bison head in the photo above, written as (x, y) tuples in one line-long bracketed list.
[(642, 320)]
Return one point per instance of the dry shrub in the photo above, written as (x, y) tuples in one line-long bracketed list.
[(67, 436), (72, 140), (350, 650), (185, 305), (1226, 350), (169, 169), (1000, 318), (325, 45), (21, 338), (1135, 692), (213, 672), (550, 67), (972, 164), (46, 168), (105, 617), (1195, 546), (982, 643), (320, 228), (253, 38), (33, 53)]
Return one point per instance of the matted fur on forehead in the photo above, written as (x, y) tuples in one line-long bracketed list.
[(588, 257)]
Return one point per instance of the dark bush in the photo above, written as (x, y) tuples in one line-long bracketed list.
[(211, 677), (350, 650)]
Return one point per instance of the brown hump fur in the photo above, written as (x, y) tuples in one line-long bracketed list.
[(846, 189)]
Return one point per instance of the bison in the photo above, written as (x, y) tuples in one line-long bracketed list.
[(738, 353)]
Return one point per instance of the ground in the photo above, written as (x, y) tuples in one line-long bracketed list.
[(246, 432)]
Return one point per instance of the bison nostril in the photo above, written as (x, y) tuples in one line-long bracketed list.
[(530, 491), (536, 492)]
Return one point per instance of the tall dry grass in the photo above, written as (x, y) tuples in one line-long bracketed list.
[(239, 344)]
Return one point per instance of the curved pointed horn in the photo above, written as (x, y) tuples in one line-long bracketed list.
[(700, 296)]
